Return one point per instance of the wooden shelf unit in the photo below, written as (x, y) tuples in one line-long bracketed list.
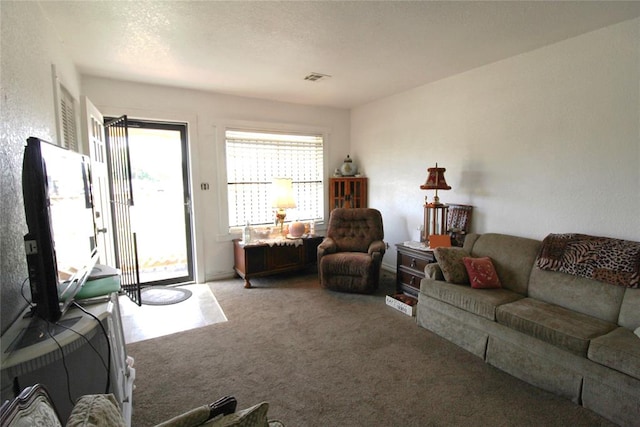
[(347, 192)]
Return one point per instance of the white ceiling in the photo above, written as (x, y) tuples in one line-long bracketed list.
[(264, 49)]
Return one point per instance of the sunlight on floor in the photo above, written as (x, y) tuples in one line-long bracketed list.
[(152, 321)]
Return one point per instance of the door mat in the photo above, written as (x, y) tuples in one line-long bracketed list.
[(162, 295)]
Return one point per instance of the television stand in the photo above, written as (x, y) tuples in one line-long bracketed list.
[(83, 349), (40, 330)]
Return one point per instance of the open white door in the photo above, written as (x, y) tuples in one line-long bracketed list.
[(93, 134)]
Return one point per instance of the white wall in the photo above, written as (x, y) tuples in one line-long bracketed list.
[(548, 141), (543, 142), (207, 114), (29, 48)]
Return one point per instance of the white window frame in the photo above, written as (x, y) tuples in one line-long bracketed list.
[(226, 231)]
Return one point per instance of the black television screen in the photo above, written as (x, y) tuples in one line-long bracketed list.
[(60, 243)]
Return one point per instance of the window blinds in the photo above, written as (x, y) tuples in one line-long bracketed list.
[(255, 158), (68, 120)]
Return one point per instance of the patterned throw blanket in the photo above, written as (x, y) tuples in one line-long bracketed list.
[(608, 260)]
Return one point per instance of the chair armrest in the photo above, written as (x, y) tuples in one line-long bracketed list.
[(377, 246), (328, 246), (376, 250), (202, 414), (433, 271), (98, 410), (226, 405)]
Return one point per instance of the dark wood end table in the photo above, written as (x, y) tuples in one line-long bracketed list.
[(410, 268)]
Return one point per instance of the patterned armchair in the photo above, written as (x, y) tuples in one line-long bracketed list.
[(350, 256), (33, 407)]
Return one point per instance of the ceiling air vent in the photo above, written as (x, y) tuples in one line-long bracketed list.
[(314, 77)]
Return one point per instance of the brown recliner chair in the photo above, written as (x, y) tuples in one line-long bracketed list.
[(350, 256)]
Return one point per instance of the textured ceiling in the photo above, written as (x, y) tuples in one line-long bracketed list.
[(265, 49)]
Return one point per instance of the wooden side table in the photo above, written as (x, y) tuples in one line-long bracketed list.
[(410, 268), (262, 259)]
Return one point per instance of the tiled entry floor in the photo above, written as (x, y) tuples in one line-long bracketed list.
[(152, 321)]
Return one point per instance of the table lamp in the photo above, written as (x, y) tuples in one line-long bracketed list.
[(282, 199), (435, 213)]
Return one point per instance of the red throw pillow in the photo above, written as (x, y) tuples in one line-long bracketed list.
[(482, 273)]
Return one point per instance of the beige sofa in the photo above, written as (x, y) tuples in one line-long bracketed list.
[(568, 334)]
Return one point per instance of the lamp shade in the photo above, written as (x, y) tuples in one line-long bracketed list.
[(282, 192), (436, 180)]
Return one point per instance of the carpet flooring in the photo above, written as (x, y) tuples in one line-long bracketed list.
[(323, 358)]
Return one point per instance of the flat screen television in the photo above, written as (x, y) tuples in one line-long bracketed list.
[(60, 244)]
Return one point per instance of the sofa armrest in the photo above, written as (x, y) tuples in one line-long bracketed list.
[(433, 271)]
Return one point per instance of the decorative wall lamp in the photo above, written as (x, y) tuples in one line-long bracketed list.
[(435, 213), (282, 199)]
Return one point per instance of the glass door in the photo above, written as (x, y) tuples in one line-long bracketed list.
[(161, 214)]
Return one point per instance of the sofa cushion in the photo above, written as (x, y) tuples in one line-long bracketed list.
[(482, 302), (585, 296), (482, 273), (450, 262), (556, 325), (512, 256), (346, 264), (619, 350)]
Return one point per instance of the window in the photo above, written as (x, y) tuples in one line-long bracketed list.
[(66, 114), (68, 119), (255, 158)]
